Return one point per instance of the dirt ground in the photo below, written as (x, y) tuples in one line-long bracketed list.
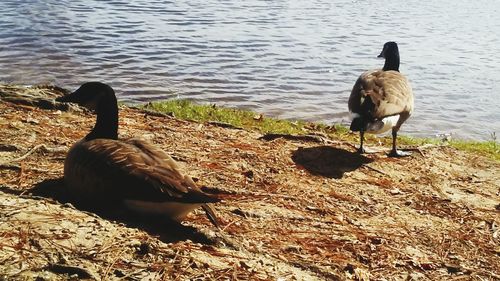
[(292, 209)]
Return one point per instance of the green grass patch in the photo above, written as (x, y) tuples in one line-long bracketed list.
[(487, 148), (246, 119), (185, 109)]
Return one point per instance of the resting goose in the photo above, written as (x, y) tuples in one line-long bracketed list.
[(381, 100), (102, 169)]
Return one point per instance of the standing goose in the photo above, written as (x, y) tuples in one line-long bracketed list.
[(103, 170), (382, 100)]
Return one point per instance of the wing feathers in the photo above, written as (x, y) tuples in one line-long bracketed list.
[(142, 171), (389, 91)]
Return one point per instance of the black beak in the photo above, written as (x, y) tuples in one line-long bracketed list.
[(381, 55)]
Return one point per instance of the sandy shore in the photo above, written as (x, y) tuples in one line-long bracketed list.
[(307, 209)]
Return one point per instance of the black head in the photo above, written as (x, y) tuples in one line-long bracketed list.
[(100, 98), (89, 95), (390, 50)]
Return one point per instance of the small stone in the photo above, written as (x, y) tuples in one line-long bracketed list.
[(395, 191)]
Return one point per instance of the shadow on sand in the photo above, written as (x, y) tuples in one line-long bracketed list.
[(167, 230), (328, 161)]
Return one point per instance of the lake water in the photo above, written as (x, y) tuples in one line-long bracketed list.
[(289, 59)]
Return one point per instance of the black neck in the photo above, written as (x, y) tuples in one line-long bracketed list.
[(106, 126), (391, 62)]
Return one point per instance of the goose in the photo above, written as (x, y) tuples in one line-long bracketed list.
[(381, 100), (102, 169)]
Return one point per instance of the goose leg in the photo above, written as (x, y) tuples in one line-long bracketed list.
[(361, 150), (394, 152)]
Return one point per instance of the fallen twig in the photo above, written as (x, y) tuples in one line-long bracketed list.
[(223, 125), (108, 269), (37, 147), (43, 147), (373, 169), (311, 138)]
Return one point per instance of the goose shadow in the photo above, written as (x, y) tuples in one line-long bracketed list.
[(167, 230), (328, 161)]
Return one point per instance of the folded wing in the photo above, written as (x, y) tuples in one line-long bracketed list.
[(131, 169), (380, 94)]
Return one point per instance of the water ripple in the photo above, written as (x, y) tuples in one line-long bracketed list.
[(291, 59)]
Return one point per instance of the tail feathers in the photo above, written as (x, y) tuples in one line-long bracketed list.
[(373, 126), (211, 215), (358, 124)]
